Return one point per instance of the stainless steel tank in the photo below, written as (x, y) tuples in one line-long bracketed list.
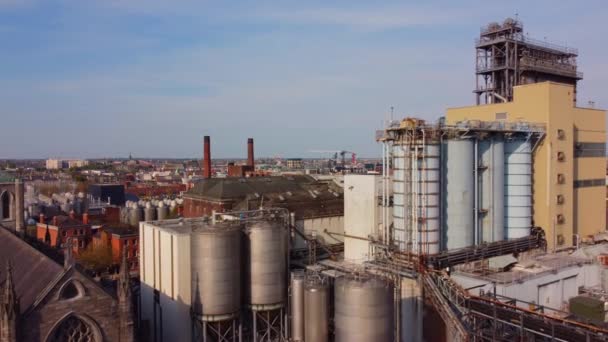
[(163, 212), (492, 195), (149, 213), (216, 269), (136, 215), (459, 184), (363, 310), (297, 306), (518, 188), (316, 310), (266, 246)]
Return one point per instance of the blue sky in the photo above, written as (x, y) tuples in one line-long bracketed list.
[(99, 78)]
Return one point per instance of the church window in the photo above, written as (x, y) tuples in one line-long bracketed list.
[(73, 329)]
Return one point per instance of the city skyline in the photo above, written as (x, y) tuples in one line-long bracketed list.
[(105, 78)]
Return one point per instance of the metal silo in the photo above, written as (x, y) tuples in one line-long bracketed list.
[(149, 212), (136, 215), (492, 155), (401, 167), (266, 242), (363, 310), (216, 271), (427, 195), (297, 306), (518, 188), (316, 310), (416, 196), (163, 211), (459, 218)]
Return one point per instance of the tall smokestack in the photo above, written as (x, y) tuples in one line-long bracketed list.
[(250, 159), (207, 157)]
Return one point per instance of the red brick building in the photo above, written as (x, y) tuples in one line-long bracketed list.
[(56, 230), (121, 239)]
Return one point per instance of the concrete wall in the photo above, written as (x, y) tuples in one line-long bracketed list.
[(583, 209), (333, 224), (361, 214), (165, 267)]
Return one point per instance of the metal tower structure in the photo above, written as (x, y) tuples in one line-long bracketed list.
[(506, 58)]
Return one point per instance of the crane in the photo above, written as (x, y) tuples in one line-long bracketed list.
[(342, 154)]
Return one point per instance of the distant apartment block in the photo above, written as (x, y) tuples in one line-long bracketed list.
[(57, 164)]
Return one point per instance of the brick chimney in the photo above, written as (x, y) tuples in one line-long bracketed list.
[(250, 158), (85, 218), (207, 157), (42, 218)]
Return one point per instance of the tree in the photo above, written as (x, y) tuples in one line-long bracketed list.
[(97, 257)]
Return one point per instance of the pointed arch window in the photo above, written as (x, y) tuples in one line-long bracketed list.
[(72, 289), (74, 328)]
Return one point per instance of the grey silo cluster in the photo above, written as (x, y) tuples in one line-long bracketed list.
[(455, 189), (153, 210), (238, 267), (363, 308)]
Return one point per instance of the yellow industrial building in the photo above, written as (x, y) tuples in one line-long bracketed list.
[(569, 169)]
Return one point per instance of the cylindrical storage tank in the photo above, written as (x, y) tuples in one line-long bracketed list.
[(492, 169), (136, 215), (149, 213), (266, 246), (401, 171), (518, 188), (426, 185), (216, 270), (363, 310), (459, 184), (297, 306), (163, 211), (316, 310)]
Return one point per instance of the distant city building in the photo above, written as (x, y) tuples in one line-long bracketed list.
[(294, 163), (57, 164)]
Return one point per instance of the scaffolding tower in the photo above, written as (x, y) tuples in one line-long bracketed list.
[(506, 58)]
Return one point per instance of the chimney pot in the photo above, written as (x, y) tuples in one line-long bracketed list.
[(85, 218)]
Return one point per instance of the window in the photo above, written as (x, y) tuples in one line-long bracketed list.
[(74, 329), (64, 233), (69, 291), (561, 134), (560, 199), (561, 179), (560, 219), (561, 156)]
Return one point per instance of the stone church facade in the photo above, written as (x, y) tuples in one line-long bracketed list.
[(11, 202), (43, 301)]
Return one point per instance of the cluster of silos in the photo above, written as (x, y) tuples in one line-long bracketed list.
[(454, 189), (309, 307), (363, 308), (153, 210), (237, 266), (55, 204)]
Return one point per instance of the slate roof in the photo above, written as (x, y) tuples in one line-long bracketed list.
[(302, 194), (32, 270)]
